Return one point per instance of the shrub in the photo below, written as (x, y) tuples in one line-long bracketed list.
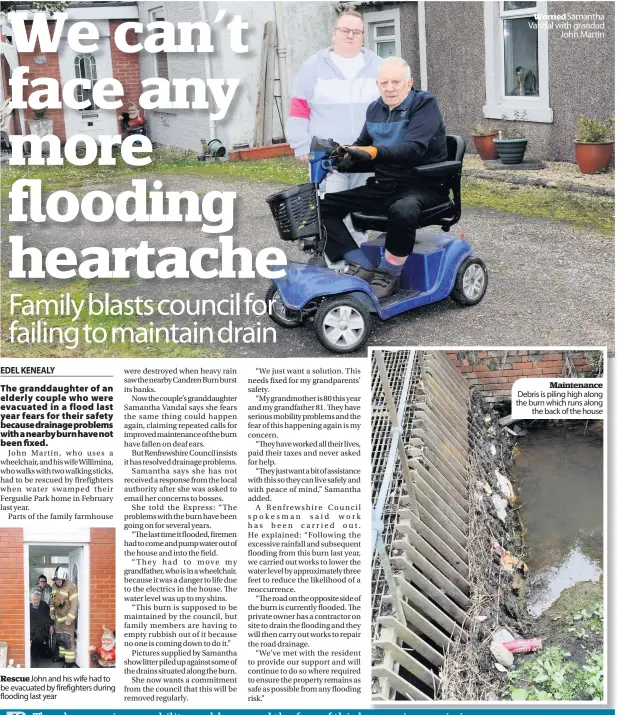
[(510, 131), (591, 130), (483, 130)]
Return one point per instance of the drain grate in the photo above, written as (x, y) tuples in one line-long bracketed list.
[(420, 589)]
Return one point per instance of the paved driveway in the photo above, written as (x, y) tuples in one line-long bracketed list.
[(550, 284)]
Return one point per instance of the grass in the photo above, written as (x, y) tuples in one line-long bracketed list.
[(280, 170), (581, 210), (79, 290)]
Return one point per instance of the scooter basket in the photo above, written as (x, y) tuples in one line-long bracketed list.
[(295, 212)]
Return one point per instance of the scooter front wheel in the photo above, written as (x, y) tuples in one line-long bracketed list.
[(470, 282), (277, 310), (342, 324)]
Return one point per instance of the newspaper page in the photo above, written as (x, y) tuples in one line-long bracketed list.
[(307, 330)]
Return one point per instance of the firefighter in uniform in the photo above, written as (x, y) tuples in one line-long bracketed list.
[(63, 610)]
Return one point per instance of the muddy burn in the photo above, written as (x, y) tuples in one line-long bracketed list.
[(560, 473)]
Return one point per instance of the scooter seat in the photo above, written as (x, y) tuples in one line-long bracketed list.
[(433, 215)]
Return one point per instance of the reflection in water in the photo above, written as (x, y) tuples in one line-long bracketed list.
[(561, 477), (547, 585)]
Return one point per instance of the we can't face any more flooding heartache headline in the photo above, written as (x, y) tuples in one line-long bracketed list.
[(215, 210)]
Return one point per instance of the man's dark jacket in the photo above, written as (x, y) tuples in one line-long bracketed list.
[(408, 135)]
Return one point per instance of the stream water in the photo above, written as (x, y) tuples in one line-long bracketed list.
[(560, 470)]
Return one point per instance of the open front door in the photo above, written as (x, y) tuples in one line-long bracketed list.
[(76, 570)]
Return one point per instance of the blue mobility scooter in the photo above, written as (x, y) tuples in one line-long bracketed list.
[(342, 306)]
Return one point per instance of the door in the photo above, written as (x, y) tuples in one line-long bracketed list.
[(75, 573), (87, 65)]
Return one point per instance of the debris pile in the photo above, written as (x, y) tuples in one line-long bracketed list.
[(476, 669)]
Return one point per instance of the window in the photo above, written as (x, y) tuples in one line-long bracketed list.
[(516, 61), (161, 67), (85, 68), (382, 32)]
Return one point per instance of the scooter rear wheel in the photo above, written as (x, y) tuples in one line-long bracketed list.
[(470, 282), (342, 324), (278, 312)]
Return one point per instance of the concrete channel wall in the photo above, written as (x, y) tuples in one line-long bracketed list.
[(420, 580)]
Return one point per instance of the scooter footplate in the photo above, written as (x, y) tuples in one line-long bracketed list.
[(398, 297)]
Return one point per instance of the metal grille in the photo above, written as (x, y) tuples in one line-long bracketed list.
[(420, 501)]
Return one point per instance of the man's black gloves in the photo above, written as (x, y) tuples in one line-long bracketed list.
[(354, 155)]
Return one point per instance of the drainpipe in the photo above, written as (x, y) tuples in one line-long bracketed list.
[(283, 62), (422, 43), (207, 72)]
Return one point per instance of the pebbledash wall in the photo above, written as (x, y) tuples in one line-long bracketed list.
[(493, 372), (14, 591)]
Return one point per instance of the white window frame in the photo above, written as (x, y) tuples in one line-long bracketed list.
[(497, 104), (151, 18), (371, 20)]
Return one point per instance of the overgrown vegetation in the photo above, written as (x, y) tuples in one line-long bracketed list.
[(551, 675), (571, 667)]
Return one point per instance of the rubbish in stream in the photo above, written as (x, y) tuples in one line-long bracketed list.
[(560, 470)]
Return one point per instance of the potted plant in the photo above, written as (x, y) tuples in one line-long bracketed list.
[(594, 144), (483, 138), (40, 126), (511, 143)]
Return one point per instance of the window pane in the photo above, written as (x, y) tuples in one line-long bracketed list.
[(521, 58), (162, 65), (518, 5), (86, 68), (385, 31), (385, 49)]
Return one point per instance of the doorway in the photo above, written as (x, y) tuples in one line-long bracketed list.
[(43, 559), (91, 120)]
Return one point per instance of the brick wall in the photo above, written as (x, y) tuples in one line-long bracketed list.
[(51, 68), (12, 570), (126, 67), (102, 582), (493, 372)]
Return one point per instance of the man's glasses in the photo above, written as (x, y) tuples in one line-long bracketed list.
[(346, 31)]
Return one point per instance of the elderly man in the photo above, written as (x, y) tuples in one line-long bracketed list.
[(332, 92), (403, 129), (41, 626), (63, 611)]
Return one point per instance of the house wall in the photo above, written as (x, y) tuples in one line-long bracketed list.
[(408, 28), (102, 582), (456, 65), (308, 28), (493, 372), (581, 74), (51, 68), (581, 77), (12, 569), (125, 67)]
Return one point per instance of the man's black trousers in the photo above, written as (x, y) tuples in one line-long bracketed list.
[(402, 205)]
